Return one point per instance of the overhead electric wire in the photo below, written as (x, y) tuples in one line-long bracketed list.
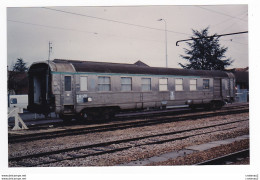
[(53, 27), (114, 21), (213, 36), (235, 22), (230, 18), (68, 29), (220, 13)]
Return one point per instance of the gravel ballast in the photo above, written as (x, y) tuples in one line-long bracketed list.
[(146, 151)]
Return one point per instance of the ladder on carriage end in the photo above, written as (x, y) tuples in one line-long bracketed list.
[(14, 112)]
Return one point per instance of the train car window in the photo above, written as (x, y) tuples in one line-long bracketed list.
[(126, 84), (146, 84), (83, 83), (104, 83), (231, 85), (163, 84), (225, 84), (193, 84), (67, 81), (178, 84), (205, 83)]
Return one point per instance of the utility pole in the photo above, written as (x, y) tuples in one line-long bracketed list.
[(165, 39), (47, 72), (50, 49)]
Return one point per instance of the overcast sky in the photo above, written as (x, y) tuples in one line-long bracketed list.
[(123, 34)]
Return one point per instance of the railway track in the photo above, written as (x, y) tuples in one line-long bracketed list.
[(109, 147), (122, 125), (227, 159), (32, 124)]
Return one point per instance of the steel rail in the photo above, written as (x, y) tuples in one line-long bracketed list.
[(112, 127), (126, 115), (229, 157), (105, 144)]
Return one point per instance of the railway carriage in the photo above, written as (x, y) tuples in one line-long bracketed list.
[(84, 89)]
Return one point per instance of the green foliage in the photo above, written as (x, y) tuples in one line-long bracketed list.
[(205, 53), (17, 78), (20, 66)]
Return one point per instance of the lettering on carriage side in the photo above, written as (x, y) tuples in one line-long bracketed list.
[(81, 98)]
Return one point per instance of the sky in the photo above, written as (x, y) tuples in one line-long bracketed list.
[(122, 34)]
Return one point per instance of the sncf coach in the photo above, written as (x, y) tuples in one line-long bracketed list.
[(84, 89)]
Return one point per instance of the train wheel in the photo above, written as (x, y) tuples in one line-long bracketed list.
[(108, 115), (193, 107), (85, 116), (112, 115), (65, 118), (215, 105), (220, 104)]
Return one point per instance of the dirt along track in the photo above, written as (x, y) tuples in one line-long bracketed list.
[(123, 145)]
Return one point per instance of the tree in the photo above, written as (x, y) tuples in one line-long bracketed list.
[(20, 66), (17, 78), (205, 53)]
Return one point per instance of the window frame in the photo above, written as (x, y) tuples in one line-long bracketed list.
[(225, 84), (179, 84), (203, 84), (67, 85), (150, 87), (162, 84), (131, 84), (80, 82), (196, 84), (104, 84)]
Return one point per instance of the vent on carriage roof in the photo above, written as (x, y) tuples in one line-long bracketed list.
[(140, 63)]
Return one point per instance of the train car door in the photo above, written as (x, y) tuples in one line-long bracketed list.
[(217, 88), (68, 90), (225, 92), (140, 103)]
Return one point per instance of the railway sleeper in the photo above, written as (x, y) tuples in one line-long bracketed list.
[(216, 104)]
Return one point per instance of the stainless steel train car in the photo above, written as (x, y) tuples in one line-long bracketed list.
[(84, 89)]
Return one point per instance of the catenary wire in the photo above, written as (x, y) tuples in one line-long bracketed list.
[(53, 27), (96, 33), (228, 19), (115, 21), (221, 13), (69, 29)]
